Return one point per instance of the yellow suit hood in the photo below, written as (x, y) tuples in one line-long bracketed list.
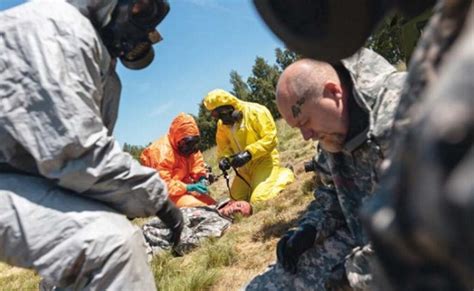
[(219, 97)]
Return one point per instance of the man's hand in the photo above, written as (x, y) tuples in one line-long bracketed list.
[(240, 159), (173, 219), (224, 164), (293, 244), (197, 187)]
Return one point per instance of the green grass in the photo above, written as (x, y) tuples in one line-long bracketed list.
[(246, 248)]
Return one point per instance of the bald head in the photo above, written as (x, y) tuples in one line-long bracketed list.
[(311, 97), (302, 80)]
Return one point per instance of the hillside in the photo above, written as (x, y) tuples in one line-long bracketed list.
[(246, 248)]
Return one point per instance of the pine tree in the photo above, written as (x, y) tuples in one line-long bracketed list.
[(285, 57), (397, 36), (239, 87), (262, 84), (207, 127), (134, 150)]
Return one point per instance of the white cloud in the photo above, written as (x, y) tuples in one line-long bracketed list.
[(161, 109)]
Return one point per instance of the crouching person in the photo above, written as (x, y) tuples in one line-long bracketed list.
[(66, 186), (349, 109), (246, 140), (177, 158)]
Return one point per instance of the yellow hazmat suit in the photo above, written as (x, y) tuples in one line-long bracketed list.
[(255, 133)]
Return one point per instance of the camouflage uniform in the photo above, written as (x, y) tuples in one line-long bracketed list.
[(199, 223), (420, 219), (376, 89)]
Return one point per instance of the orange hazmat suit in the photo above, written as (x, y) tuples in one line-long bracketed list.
[(175, 169)]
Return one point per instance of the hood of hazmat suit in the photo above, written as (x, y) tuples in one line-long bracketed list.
[(175, 169), (99, 12), (60, 96), (256, 133)]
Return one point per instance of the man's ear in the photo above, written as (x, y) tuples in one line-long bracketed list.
[(333, 90)]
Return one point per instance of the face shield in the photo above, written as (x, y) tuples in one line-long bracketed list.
[(189, 145), (224, 113), (329, 30), (131, 32)]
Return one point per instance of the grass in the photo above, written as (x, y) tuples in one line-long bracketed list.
[(247, 247), (13, 278)]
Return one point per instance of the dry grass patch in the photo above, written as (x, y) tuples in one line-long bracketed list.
[(13, 278)]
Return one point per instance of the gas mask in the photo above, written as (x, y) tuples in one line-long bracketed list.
[(188, 145), (227, 114), (131, 32), (330, 30)]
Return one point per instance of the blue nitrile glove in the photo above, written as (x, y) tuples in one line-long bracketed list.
[(197, 187), (293, 244), (204, 181)]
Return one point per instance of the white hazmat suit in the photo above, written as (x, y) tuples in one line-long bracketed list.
[(64, 180)]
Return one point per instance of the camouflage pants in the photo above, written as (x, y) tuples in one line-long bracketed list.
[(319, 268)]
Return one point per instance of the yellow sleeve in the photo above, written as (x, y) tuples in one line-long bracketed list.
[(264, 125), (223, 142)]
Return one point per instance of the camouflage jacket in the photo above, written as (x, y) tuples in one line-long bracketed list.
[(419, 221), (376, 88), (199, 223)]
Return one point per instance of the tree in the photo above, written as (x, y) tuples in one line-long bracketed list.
[(262, 85), (397, 36), (386, 39), (207, 127), (285, 57), (239, 87), (133, 150)]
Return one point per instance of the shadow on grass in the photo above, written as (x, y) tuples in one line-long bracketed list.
[(275, 229)]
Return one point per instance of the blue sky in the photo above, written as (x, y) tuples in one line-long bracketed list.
[(203, 41)]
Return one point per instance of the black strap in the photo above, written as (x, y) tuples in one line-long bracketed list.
[(227, 180), (242, 178), (226, 177)]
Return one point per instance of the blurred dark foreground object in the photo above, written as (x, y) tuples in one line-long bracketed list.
[(330, 30)]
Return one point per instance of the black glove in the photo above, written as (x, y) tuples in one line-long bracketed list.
[(173, 219), (224, 164), (211, 178), (240, 159), (293, 244)]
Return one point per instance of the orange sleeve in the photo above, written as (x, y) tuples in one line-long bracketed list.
[(197, 166), (152, 158), (175, 186), (146, 158)]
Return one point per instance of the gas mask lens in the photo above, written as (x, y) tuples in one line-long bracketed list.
[(223, 113), (189, 145), (145, 14)]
